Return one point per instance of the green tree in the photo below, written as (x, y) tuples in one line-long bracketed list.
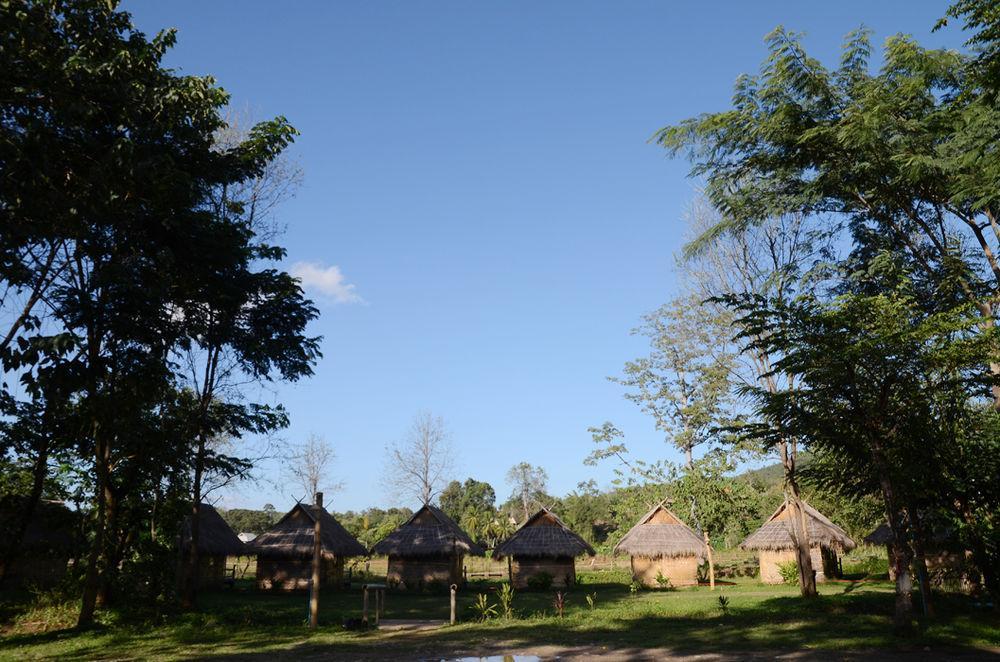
[(528, 484), (683, 384), (870, 365), (905, 153)]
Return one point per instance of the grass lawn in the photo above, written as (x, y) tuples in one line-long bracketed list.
[(243, 623)]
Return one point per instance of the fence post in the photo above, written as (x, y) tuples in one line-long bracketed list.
[(364, 605), (454, 589)]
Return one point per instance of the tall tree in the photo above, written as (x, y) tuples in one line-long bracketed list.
[(418, 466), (310, 464), (112, 163), (684, 381), (907, 152), (867, 363), (528, 484), (774, 259)]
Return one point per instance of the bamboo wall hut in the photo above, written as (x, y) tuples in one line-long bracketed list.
[(285, 551), (543, 544), (947, 562), (662, 545), (47, 546), (775, 545), (216, 543), (427, 548)]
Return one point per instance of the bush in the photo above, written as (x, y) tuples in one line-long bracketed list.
[(789, 572), (662, 581), (505, 596), (541, 581)]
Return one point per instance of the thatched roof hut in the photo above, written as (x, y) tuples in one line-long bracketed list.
[(215, 537), (542, 547), (947, 562), (662, 546), (429, 532), (216, 543), (426, 549), (776, 546), (285, 551), (48, 543)]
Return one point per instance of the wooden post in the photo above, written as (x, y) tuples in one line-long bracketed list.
[(317, 560), (711, 565), (379, 604), (364, 605), (454, 589), (510, 572)]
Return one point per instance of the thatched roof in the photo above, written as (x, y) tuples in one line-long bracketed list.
[(215, 538), (428, 532), (294, 535), (940, 536), (51, 527), (660, 533), (543, 535), (776, 533), (882, 535)]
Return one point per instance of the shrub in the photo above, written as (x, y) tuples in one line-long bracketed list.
[(505, 595), (634, 587), (724, 605), (541, 581), (662, 581), (559, 602), (482, 608), (592, 600), (789, 572)]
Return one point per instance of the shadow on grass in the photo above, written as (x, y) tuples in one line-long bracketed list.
[(260, 625)]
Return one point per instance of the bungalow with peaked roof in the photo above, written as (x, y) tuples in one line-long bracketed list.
[(661, 545), (543, 545), (216, 543), (285, 551), (947, 562), (427, 548), (775, 544), (47, 546)]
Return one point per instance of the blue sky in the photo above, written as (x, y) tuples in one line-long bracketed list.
[(480, 173)]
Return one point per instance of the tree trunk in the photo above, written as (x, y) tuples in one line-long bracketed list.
[(800, 532), (112, 551), (189, 592), (39, 472), (92, 577), (919, 543), (980, 553), (902, 556)]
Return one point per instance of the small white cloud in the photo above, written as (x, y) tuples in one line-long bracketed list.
[(327, 281)]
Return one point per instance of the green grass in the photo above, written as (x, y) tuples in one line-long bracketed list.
[(244, 622)]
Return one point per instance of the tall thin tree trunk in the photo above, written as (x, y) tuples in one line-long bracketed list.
[(919, 544), (797, 515), (189, 593), (902, 554), (112, 551), (92, 577)]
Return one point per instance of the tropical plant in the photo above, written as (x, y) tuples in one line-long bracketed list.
[(505, 596), (482, 608)]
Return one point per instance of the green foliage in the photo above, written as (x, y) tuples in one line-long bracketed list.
[(591, 600), (789, 572), (482, 608), (472, 505), (540, 581), (663, 582), (505, 600), (724, 605), (251, 521)]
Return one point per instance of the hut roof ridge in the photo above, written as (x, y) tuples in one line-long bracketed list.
[(777, 534), (530, 540), (287, 538), (660, 540), (415, 539)]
